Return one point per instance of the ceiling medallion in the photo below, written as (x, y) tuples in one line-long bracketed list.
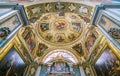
[(60, 28), (60, 25)]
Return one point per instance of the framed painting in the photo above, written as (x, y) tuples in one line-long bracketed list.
[(109, 24), (108, 64), (8, 26), (12, 64)]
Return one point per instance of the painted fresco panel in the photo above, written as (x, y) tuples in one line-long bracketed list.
[(12, 64), (29, 39), (7, 27), (78, 48), (112, 28), (108, 64), (60, 37), (76, 26), (90, 41), (41, 49), (44, 27)]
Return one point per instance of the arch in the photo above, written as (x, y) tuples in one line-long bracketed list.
[(60, 54)]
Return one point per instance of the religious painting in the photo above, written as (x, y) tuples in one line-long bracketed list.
[(44, 27), (12, 64), (108, 64), (59, 66), (78, 48), (90, 41), (41, 49), (7, 26), (60, 37), (60, 25), (29, 39), (112, 28), (76, 26)]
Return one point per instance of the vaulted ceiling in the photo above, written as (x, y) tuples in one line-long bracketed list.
[(60, 25)]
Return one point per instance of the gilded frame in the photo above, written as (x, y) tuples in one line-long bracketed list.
[(6, 51), (113, 52)]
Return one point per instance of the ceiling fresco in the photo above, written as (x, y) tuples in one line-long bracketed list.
[(60, 27)]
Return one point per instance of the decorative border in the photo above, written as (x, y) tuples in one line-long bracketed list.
[(48, 7), (112, 18)]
